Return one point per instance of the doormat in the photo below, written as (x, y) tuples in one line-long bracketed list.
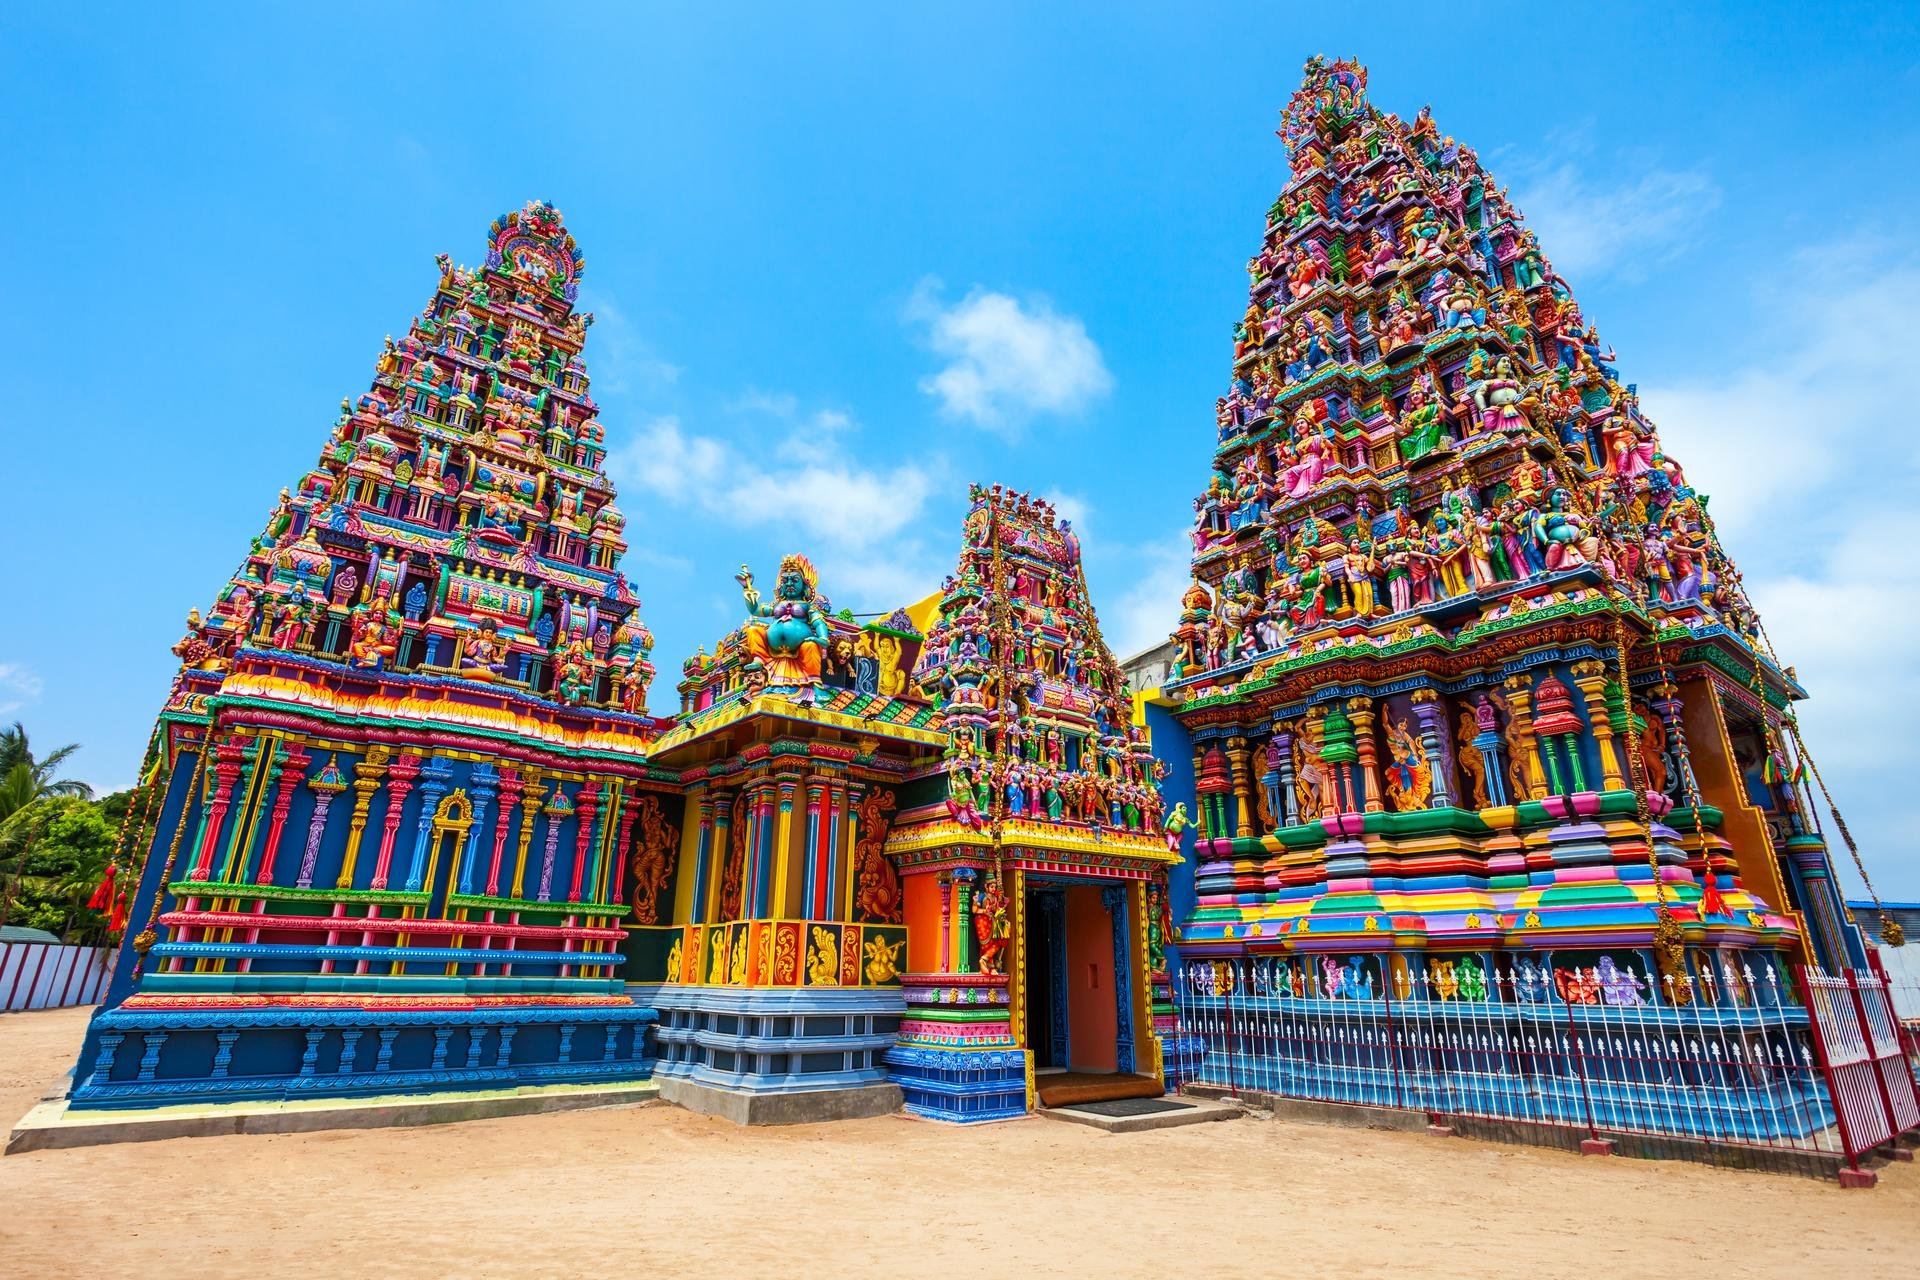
[(1130, 1107)]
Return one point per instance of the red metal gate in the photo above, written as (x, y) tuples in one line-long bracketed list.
[(1857, 1039)]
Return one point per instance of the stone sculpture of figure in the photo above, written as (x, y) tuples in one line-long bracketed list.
[(375, 634), (1619, 986), (1315, 456), (1529, 983), (962, 801), (991, 927), (1422, 428), (291, 623), (1498, 399), (484, 655), (791, 642), (1176, 823)]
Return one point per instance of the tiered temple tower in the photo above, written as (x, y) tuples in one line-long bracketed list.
[(1033, 869), (404, 768), (1471, 684)]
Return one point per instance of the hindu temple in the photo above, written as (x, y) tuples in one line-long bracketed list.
[(1465, 704)]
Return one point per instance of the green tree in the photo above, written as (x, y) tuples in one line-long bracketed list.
[(25, 778), (58, 849)]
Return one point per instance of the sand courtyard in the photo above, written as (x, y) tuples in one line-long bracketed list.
[(656, 1190)]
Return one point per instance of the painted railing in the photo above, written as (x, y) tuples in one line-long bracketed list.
[(768, 953), (50, 975), (1727, 1069)]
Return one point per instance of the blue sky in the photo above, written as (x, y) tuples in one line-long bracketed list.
[(847, 259)]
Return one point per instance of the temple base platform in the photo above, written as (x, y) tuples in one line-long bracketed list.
[(810, 1106), (54, 1125), (775, 1055), (141, 1055)]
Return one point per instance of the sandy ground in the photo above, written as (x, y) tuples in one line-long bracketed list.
[(655, 1190)]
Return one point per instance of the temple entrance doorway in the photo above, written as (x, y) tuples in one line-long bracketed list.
[(1080, 999)]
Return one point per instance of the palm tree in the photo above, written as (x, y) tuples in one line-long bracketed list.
[(25, 778)]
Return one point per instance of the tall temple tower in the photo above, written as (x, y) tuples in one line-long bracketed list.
[(402, 771), (1472, 685)]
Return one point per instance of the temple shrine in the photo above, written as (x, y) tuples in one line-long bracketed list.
[(1476, 704), (1465, 705)]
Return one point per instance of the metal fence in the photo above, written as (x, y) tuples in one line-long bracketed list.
[(1736, 1066), (51, 975)]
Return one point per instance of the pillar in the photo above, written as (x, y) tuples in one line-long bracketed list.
[(529, 815), (292, 772), (1240, 772), (963, 880), (511, 787), (1520, 741), (586, 808), (228, 757), (434, 775), (702, 858), (399, 783), (367, 776), (1590, 677), (482, 790), (1361, 710), (1288, 799), (1431, 714)]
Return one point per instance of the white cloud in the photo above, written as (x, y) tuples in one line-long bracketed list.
[(1008, 358), (1146, 608), (1593, 226), (618, 358), (18, 686), (1815, 505), (800, 480)]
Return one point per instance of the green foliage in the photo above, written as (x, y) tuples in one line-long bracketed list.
[(55, 841)]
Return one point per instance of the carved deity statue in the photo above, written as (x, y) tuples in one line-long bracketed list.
[(788, 637)]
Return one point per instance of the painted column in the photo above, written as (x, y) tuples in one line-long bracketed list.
[(586, 807), (837, 872), (1487, 742), (510, 789), (325, 785), (702, 855), (559, 809), (1367, 752), (435, 777), (1239, 765), (399, 783), (1202, 821), (228, 757), (723, 820), (1526, 752), (1591, 678), (946, 923), (1289, 802), (482, 787), (780, 856), (529, 815), (849, 838), (1666, 705), (813, 869), (1114, 899), (1428, 711), (292, 771), (367, 776), (629, 810), (963, 879)]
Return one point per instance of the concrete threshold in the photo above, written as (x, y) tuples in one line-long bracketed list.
[(1191, 1111), (52, 1124)]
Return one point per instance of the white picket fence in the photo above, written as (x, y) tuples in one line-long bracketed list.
[(51, 975)]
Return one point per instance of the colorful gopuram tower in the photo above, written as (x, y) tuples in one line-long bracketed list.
[(1032, 867), (775, 959), (402, 772), (1472, 686)]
